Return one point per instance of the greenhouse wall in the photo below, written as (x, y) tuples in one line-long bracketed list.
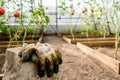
[(57, 19)]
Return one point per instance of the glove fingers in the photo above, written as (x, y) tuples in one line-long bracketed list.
[(55, 58), (56, 67), (41, 63), (59, 57), (41, 70), (49, 67), (55, 63)]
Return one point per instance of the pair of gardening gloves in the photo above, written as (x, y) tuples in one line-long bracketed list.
[(47, 58)]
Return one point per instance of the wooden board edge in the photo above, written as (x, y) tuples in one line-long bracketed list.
[(110, 62), (67, 39), (3, 47), (1, 76)]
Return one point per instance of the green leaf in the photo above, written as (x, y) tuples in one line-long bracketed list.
[(63, 3), (35, 13), (0, 31), (30, 10), (3, 1), (45, 28), (14, 1), (59, 6), (64, 9), (47, 19)]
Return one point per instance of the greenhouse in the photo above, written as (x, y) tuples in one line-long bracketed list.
[(59, 39)]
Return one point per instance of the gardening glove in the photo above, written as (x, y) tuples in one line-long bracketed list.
[(53, 58), (56, 57), (48, 48), (47, 58), (55, 53), (41, 63)]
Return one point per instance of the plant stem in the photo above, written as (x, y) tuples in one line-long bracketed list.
[(87, 31), (95, 27), (10, 37), (94, 23), (106, 18), (117, 37), (33, 33), (24, 36), (117, 40), (71, 30), (104, 33), (21, 13)]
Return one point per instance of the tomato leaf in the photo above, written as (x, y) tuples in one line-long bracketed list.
[(47, 19), (3, 1)]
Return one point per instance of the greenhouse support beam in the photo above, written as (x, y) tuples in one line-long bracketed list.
[(57, 32), (68, 18)]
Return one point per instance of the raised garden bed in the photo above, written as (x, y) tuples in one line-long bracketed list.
[(94, 40), (28, 37), (108, 51), (5, 41), (107, 60), (4, 44)]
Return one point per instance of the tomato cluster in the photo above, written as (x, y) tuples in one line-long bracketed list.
[(2, 11)]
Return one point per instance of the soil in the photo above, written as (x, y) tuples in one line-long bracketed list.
[(110, 51), (77, 65)]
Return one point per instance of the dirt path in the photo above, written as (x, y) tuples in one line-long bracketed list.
[(78, 66)]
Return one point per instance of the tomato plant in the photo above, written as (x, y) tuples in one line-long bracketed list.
[(63, 8), (40, 18)]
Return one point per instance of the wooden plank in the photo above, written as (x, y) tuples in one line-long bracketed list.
[(19, 42), (3, 46), (94, 39), (67, 39), (28, 37), (90, 36), (110, 62), (1, 75), (100, 43)]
